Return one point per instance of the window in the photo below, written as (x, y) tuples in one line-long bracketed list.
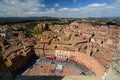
[(85, 47), (55, 46), (101, 42), (79, 49), (97, 50), (91, 53)]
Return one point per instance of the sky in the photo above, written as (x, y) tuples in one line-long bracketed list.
[(60, 8)]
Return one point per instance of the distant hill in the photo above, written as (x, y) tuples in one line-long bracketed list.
[(12, 20), (26, 18), (9, 20)]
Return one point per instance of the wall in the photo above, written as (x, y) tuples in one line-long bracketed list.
[(91, 64), (83, 58), (114, 70)]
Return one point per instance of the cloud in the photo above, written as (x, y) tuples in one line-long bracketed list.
[(92, 10), (63, 9), (56, 5), (24, 8), (20, 7), (95, 5), (40, 5)]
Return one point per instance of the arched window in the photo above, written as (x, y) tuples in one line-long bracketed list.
[(55, 46), (85, 47), (91, 53), (97, 50), (101, 42)]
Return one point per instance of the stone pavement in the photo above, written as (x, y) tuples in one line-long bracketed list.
[(58, 78)]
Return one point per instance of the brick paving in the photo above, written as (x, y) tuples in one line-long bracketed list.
[(46, 69)]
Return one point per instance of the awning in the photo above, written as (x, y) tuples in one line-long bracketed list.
[(49, 57), (61, 59), (73, 61)]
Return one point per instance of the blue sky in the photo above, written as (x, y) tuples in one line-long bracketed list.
[(75, 3), (60, 8)]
